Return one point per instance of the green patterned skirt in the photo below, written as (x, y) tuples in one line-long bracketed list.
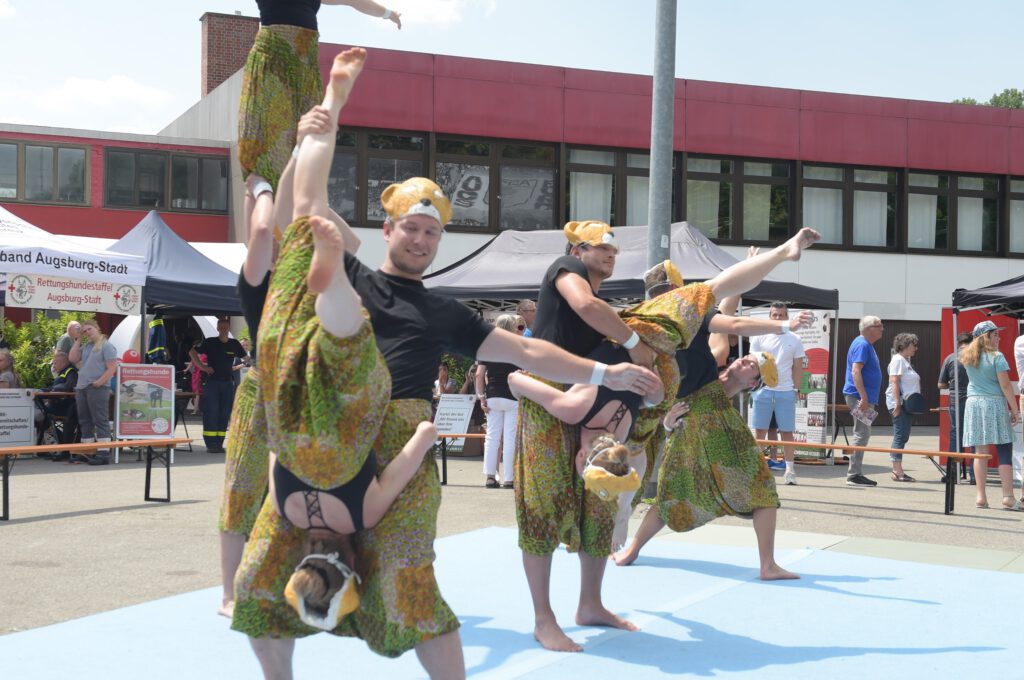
[(552, 506), (281, 82), (712, 467), (245, 465), (400, 604)]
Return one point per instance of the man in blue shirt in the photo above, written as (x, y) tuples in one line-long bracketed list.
[(863, 381)]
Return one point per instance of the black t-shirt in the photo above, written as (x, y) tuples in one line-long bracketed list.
[(497, 380), (946, 375), (220, 356), (252, 299), (697, 365), (556, 321), (414, 327), (300, 13)]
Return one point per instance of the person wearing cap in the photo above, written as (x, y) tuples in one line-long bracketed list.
[(551, 506), (991, 411), (400, 606), (863, 382)]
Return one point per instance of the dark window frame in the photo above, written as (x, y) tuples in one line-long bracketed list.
[(619, 170), (848, 185), (1011, 196), (21, 159), (167, 156)]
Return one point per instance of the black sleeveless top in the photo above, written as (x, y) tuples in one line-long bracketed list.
[(251, 299), (497, 380), (697, 365), (300, 13)]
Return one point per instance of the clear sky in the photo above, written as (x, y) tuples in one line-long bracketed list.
[(134, 66)]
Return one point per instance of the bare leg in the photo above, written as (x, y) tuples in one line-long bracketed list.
[(745, 274), (764, 529), (317, 150), (981, 472), (545, 628), (649, 527), (788, 452), (591, 611), (260, 248), (397, 474), (338, 305), (231, 547), (275, 656), (569, 406), (442, 657)]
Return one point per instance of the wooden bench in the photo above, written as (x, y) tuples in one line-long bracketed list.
[(950, 480), (166, 446)]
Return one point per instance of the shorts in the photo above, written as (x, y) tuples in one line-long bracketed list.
[(781, 403)]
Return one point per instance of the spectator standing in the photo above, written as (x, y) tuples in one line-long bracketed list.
[(501, 408), (527, 309), (74, 330), (987, 424), (903, 382), (863, 381), (959, 399), (96, 360), (219, 391), (9, 378), (780, 401), (444, 384)]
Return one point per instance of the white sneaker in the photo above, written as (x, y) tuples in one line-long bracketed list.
[(790, 478)]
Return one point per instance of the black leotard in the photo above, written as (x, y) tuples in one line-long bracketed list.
[(300, 13), (609, 353), (350, 493)]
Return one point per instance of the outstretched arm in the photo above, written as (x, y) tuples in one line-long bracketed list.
[(554, 363), (743, 325), (371, 8)]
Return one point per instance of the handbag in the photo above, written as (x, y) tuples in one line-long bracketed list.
[(915, 404)]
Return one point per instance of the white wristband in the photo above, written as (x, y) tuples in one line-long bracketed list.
[(261, 187), (783, 327), (387, 14), (633, 341), (597, 377)]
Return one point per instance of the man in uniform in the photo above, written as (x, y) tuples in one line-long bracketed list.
[(219, 392)]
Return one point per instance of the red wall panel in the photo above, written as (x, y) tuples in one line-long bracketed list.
[(487, 108), (1015, 151), (498, 71), (742, 94), (607, 120), (936, 145), (852, 138), (853, 104), (731, 129)]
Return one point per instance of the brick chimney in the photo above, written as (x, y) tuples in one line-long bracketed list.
[(227, 39)]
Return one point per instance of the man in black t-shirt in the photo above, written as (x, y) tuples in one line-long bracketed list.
[(551, 504), (219, 390)]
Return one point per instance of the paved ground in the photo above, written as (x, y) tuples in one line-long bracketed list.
[(82, 540)]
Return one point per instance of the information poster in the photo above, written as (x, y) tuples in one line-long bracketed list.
[(812, 398), (17, 418), (42, 291), (452, 417), (145, 401)]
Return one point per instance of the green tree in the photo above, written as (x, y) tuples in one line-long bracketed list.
[(32, 345), (1010, 98)]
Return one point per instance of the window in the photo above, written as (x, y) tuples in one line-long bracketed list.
[(596, 179), (145, 179), (42, 173), (738, 200), (1017, 215), (927, 211), (977, 214), (852, 206)]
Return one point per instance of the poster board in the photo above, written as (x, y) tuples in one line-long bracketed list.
[(44, 291), (144, 406), (452, 417), (17, 418), (812, 396)]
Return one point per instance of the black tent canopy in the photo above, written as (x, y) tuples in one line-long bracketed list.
[(1005, 297), (512, 265), (180, 279)]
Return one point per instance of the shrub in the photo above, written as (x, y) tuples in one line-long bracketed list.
[(32, 345)]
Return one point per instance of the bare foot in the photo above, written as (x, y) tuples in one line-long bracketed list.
[(804, 239), (344, 72), (625, 557), (599, 616), (774, 572), (227, 608), (550, 636), (328, 249)]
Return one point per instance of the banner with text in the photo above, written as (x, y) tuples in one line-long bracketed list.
[(17, 418), (42, 291), (145, 401)]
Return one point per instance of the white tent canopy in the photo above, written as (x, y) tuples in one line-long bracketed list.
[(127, 332), (228, 255), (27, 249)]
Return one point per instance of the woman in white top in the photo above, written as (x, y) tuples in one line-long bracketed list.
[(903, 381)]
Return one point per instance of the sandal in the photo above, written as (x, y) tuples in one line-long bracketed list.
[(492, 483), (979, 504), (507, 485), (904, 478), (1013, 506)]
